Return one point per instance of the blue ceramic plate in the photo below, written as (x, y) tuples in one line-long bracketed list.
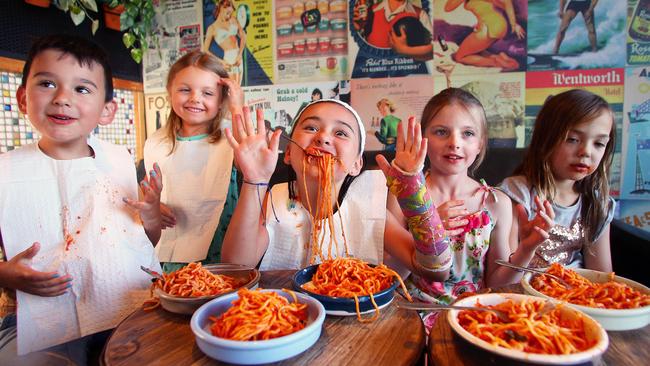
[(343, 306), (255, 352)]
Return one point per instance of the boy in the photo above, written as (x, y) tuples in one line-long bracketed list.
[(68, 218)]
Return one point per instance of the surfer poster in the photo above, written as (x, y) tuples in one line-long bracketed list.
[(576, 34)]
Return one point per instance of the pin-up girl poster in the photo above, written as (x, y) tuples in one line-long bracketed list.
[(475, 36)]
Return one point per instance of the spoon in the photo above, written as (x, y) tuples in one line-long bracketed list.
[(532, 270), (425, 306), (152, 273)]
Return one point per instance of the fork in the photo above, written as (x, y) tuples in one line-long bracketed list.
[(503, 316), (532, 270)]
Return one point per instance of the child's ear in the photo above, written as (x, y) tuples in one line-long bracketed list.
[(21, 97), (287, 156), (355, 169), (108, 113)]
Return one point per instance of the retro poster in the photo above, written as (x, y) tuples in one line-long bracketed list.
[(502, 97), (636, 213), (383, 103), (636, 135), (239, 33), (177, 26), (261, 97), (390, 38), (292, 98), (608, 83), (582, 34), (311, 41), (638, 32), (475, 37)]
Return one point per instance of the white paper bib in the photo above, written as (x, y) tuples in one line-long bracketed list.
[(74, 208), (195, 186), (364, 216)]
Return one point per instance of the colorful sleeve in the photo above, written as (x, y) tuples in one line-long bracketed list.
[(417, 206)]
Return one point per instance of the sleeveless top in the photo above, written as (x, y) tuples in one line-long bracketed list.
[(567, 237)]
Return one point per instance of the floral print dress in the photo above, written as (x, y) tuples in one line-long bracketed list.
[(468, 257)]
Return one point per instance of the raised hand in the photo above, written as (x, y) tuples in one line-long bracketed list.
[(149, 206), (16, 274), (533, 232), (256, 155), (410, 149), (167, 216), (451, 213)]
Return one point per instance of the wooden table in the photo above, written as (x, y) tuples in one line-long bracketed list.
[(162, 338), (447, 348)]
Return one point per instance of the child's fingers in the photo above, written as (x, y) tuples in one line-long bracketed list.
[(383, 164), (137, 205), (453, 232), (451, 203), (231, 139), (543, 233), (240, 130), (522, 215), (408, 140), (452, 224), (248, 122), (455, 212), (422, 152), (547, 220), (399, 145), (259, 116), (274, 143), (549, 209)]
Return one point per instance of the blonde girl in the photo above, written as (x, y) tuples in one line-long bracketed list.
[(200, 189), (561, 188), (476, 218)]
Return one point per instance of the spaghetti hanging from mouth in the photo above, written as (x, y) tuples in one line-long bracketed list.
[(323, 212)]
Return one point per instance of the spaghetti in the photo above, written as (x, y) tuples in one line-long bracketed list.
[(192, 281), (257, 315), (530, 329), (607, 295), (351, 277), (338, 277)]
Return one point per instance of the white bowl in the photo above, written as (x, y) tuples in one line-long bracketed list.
[(592, 330), (255, 352), (187, 305), (610, 319)]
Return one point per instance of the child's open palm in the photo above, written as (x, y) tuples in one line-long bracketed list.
[(149, 205), (410, 150), (533, 232), (255, 154)]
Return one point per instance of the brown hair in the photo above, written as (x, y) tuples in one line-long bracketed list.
[(220, 4), (559, 114), (207, 62), (471, 104)]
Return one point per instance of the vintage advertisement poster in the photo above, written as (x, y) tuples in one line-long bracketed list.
[(239, 33), (478, 37), (636, 136), (581, 35), (636, 213), (390, 38), (638, 32), (157, 108), (311, 41), (502, 97), (292, 98), (261, 97), (383, 103), (608, 83), (178, 30)]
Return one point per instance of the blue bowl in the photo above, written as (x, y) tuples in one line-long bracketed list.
[(255, 352), (343, 306)]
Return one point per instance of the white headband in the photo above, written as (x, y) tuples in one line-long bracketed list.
[(362, 129)]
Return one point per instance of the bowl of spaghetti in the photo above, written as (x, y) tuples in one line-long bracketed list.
[(257, 326), (349, 286), (534, 332), (185, 290), (617, 303)]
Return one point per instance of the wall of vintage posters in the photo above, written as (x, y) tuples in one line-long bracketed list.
[(512, 54)]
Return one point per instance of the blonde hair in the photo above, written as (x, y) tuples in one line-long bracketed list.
[(470, 103), (208, 62), (388, 102), (560, 114)]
